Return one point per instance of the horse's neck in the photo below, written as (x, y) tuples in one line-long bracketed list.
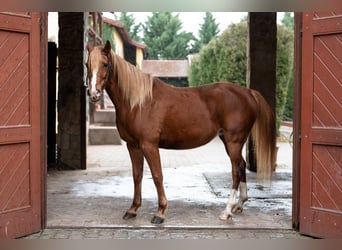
[(116, 97), (112, 87)]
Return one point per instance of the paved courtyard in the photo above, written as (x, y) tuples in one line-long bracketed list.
[(197, 185), (142, 233), (90, 203)]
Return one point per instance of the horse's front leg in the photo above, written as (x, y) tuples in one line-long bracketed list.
[(151, 153), (137, 159)]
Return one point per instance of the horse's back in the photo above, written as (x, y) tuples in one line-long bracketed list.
[(227, 96), (233, 106)]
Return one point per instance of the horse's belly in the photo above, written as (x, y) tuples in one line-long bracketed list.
[(186, 141), (180, 145)]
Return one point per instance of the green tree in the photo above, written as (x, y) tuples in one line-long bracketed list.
[(107, 33), (164, 38), (288, 22), (222, 59), (208, 30), (285, 40), (243, 19), (131, 26)]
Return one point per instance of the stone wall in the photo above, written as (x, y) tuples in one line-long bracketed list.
[(71, 93)]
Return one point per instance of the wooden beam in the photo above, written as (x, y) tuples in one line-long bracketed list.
[(261, 63)]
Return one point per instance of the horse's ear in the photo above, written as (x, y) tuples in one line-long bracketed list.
[(107, 48), (90, 47)]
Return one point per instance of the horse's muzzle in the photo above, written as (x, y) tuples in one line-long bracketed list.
[(94, 96)]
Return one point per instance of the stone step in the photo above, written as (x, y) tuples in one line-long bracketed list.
[(103, 135), (105, 117)]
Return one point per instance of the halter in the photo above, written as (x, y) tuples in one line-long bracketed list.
[(109, 66)]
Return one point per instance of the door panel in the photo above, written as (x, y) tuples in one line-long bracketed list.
[(20, 124), (321, 146)]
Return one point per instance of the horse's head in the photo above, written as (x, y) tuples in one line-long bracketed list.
[(98, 67)]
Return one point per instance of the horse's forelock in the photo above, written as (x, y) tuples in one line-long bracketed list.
[(94, 57)]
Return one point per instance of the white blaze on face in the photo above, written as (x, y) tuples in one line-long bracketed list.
[(93, 83)]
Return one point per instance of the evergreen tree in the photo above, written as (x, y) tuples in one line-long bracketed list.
[(208, 30), (107, 33), (133, 29), (164, 38)]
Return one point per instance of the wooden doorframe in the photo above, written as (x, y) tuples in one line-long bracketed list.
[(297, 120), (43, 115)]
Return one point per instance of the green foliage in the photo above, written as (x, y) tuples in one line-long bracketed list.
[(243, 19), (208, 30), (225, 59), (177, 82), (107, 34), (285, 41), (163, 37), (133, 29), (288, 110), (288, 20)]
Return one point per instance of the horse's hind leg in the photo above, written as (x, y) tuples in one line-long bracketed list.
[(239, 179), (238, 207), (137, 159)]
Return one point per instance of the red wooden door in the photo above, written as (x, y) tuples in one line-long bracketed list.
[(321, 146), (20, 124)]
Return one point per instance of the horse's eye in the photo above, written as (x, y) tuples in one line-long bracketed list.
[(105, 65)]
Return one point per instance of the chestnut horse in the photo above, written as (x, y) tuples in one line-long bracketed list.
[(151, 114)]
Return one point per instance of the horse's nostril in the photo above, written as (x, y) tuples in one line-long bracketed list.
[(88, 92), (98, 91)]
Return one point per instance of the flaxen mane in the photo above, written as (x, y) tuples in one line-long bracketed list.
[(136, 86)]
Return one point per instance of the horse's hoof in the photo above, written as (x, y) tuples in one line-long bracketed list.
[(225, 216), (237, 210), (129, 215), (157, 220)]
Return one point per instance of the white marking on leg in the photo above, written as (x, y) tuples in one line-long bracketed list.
[(242, 199), (227, 213)]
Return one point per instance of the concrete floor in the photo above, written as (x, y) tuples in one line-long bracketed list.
[(197, 184)]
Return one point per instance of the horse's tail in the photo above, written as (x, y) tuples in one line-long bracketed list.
[(264, 137)]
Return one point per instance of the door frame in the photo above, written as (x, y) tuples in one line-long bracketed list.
[(296, 156), (43, 114)]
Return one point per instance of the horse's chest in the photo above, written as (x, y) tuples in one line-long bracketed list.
[(125, 133)]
